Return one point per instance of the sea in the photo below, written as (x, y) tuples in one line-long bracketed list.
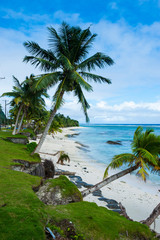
[(95, 136)]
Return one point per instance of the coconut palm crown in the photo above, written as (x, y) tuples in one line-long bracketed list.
[(145, 154), (66, 65)]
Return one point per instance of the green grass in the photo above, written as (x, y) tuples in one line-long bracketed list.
[(99, 223), (24, 216)]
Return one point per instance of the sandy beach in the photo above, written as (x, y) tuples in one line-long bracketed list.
[(137, 197)]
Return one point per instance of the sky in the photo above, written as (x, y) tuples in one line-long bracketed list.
[(128, 31)]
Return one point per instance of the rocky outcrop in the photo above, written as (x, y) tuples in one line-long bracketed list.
[(45, 169), (59, 191), (114, 142), (36, 169), (18, 140)]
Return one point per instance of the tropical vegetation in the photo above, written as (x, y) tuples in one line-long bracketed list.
[(25, 99), (66, 64)]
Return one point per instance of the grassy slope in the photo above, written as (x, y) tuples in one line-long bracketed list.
[(23, 215)]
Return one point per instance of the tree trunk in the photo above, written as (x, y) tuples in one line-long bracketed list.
[(20, 124), (108, 180), (17, 118), (44, 134), (155, 213)]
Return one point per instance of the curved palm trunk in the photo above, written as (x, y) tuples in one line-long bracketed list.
[(17, 118), (155, 213), (44, 134), (20, 124), (108, 180)]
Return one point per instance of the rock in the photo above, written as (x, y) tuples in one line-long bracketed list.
[(49, 169), (18, 140), (114, 142), (97, 193), (113, 206), (59, 191), (76, 178), (36, 169)]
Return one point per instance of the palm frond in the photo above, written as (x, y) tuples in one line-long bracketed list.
[(47, 80), (43, 64), (95, 78), (119, 160), (16, 82), (99, 60), (81, 98), (82, 82), (150, 158)]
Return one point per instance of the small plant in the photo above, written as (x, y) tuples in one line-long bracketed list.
[(63, 157), (31, 146), (78, 237)]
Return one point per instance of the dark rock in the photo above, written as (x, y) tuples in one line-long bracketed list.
[(49, 169), (97, 193), (117, 210), (76, 178), (113, 206), (18, 140), (36, 169), (114, 142)]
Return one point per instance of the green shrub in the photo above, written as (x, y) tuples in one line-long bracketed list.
[(31, 146)]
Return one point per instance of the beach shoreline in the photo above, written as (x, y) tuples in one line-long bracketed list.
[(137, 197)]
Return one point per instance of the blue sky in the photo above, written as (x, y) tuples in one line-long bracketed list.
[(128, 31)]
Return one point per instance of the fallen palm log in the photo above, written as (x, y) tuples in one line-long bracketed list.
[(64, 173), (50, 153), (155, 213)]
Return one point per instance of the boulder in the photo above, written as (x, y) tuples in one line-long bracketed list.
[(114, 142), (49, 169), (59, 191)]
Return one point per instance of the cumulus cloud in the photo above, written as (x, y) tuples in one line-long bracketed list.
[(134, 91)]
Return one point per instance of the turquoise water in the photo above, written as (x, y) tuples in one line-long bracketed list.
[(96, 136)]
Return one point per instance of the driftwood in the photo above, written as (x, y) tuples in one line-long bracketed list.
[(50, 153), (155, 213), (64, 173), (123, 211)]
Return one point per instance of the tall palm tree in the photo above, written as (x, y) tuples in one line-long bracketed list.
[(24, 96), (65, 64), (144, 157)]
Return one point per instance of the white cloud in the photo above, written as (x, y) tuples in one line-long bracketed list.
[(135, 76)]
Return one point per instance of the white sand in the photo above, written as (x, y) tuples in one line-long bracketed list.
[(137, 197)]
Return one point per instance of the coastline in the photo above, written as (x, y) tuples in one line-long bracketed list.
[(137, 197)]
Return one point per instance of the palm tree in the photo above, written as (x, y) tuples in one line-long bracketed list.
[(24, 96), (65, 64), (144, 157), (17, 95)]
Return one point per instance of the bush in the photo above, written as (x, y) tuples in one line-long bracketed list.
[(31, 146)]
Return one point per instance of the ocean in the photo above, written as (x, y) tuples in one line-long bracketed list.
[(95, 137)]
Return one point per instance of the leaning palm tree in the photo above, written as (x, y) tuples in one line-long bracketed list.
[(144, 157), (67, 65)]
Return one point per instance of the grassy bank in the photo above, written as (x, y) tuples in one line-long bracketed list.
[(24, 216)]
